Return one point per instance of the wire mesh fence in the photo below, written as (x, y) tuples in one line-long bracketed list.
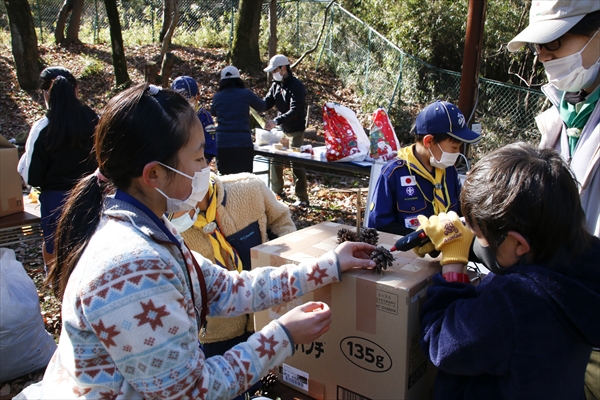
[(380, 72)]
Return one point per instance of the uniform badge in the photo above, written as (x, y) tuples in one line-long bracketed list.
[(408, 181), (410, 190), (412, 222)]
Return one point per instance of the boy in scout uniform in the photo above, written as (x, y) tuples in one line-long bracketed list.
[(422, 179)]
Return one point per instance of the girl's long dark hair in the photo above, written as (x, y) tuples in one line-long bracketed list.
[(69, 121), (231, 83), (137, 126)]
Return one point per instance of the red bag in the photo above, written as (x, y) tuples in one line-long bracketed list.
[(345, 139), (384, 143)]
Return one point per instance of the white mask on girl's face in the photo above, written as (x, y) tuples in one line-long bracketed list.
[(567, 73), (446, 160), (277, 76), (184, 222), (200, 183)]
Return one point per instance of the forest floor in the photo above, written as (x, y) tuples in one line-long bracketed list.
[(92, 66)]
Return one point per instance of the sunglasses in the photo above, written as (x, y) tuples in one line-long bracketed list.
[(550, 46)]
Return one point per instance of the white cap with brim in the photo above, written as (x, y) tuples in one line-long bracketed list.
[(230, 72), (549, 20), (277, 61)]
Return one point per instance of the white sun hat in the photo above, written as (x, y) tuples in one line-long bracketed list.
[(549, 20), (277, 61)]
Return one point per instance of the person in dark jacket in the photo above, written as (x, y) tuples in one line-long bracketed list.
[(527, 330), (57, 151), (188, 88), (288, 95), (231, 106)]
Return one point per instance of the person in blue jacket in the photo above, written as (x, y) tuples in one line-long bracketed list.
[(231, 106), (188, 88), (422, 179), (527, 330)]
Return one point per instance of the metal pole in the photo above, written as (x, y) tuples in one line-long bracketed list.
[(325, 40), (368, 63), (96, 22), (232, 21), (398, 83), (40, 21), (469, 80)]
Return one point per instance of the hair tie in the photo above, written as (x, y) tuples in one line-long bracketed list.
[(100, 176), (153, 90)]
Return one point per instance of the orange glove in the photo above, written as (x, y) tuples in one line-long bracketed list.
[(448, 235)]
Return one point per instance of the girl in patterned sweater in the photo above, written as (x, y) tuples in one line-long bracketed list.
[(135, 297)]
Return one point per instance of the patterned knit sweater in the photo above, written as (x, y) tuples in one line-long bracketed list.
[(130, 329), (246, 209)]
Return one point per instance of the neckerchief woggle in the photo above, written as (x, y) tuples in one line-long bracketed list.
[(441, 198), (208, 224), (575, 116)]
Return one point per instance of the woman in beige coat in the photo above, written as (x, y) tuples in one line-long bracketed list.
[(238, 212)]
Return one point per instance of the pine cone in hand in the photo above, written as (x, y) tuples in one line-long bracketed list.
[(369, 235), (347, 235), (269, 380), (383, 258)]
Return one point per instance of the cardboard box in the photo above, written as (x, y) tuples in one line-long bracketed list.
[(372, 348), (11, 192)]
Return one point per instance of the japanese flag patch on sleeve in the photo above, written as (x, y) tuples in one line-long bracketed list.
[(408, 181)]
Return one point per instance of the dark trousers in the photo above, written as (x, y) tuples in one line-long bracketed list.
[(233, 160)]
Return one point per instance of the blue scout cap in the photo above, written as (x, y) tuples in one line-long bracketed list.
[(443, 117), (186, 86)]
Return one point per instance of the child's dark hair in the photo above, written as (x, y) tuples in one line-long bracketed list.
[(69, 121), (231, 83), (136, 127), (530, 191)]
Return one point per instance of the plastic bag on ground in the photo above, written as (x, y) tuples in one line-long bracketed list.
[(25, 345), (345, 138)]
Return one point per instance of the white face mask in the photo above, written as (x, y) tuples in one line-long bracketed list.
[(200, 183), (185, 222), (277, 76), (446, 160), (567, 73)]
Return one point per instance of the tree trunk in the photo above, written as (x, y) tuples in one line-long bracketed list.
[(74, 22), (116, 39), (165, 67), (59, 31), (245, 53), (24, 43), (168, 7), (272, 28)]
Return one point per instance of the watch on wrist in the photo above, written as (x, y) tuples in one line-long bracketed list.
[(456, 277)]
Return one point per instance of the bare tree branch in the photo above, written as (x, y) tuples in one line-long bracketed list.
[(318, 39)]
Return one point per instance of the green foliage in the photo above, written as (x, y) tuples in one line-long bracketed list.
[(92, 66), (434, 31)]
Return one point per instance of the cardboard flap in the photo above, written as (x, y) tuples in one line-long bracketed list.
[(4, 143)]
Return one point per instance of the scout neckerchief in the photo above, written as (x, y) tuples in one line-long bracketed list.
[(207, 223), (441, 198), (575, 116)]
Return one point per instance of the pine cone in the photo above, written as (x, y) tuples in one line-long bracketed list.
[(347, 235), (269, 380), (369, 235), (383, 258)]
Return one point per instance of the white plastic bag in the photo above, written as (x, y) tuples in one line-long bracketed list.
[(264, 137), (25, 345)]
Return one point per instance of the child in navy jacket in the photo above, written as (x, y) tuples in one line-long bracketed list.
[(527, 331)]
